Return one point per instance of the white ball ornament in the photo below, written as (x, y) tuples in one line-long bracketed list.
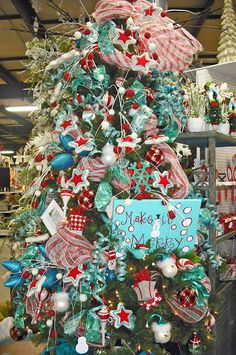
[(111, 112), (37, 193), (59, 276), (61, 301), (152, 46), (89, 25), (105, 124), (49, 323), (77, 35), (54, 112), (101, 77), (121, 90), (83, 297), (34, 271), (38, 167), (128, 202)]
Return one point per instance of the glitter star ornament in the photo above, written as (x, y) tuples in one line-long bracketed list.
[(123, 317), (150, 12), (74, 276), (162, 181), (142, 63), (67, 125), (82, 144), (123, 39), (36, 286), (78, 180)]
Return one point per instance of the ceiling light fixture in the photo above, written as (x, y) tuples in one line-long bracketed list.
[(7, 152), (28, 108)]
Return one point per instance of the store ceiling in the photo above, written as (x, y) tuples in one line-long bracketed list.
[(16, 28)]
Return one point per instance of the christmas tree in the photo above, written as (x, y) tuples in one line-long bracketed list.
[(108, 226), (227, 43)]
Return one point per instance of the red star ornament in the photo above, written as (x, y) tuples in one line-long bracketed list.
[(67, 125), (35, 286), (74, 276), (82, 144), (123, 40), (122, 317), (142, 63), (78, 180), (162, 181), (150, 12)]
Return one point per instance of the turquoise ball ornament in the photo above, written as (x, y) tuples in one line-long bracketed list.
[(205, 216), (51, 279), (62, 161), (65, 140)]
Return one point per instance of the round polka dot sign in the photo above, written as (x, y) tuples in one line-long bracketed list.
[(141, 221)]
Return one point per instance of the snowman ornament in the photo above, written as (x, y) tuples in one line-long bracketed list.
[(160, 328), (168, 265), (111, 266), (156, 227)]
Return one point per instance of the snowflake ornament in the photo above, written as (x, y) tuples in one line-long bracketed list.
[(141, 175)]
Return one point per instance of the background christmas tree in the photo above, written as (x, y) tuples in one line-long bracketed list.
[(92, 277), (227, 43)]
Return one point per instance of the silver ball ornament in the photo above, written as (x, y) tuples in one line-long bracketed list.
[(61, 301)]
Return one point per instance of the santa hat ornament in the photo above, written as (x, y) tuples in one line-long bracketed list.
[(129, 142), (160, 138), (140, 251), (77, 220)]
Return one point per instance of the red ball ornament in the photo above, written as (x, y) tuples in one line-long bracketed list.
[(87, 31), (18, 333), (117, 150), (135, 106), (110, 118), (125, 126), (86, 199), (155, 156), (67, 76), (53, 334), (163, 14), (38, 158), (147, 35), (130, 93), (43, 184), (34, 204), (187, 297), (155, 56), (127, 33), (41, 272), (50, 157), (82, 62), (90, 56), (26, 275)]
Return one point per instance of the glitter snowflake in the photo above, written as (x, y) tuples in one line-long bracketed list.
[(141, 175)]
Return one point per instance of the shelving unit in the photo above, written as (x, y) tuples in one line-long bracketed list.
[(225, 291), (6, 214)]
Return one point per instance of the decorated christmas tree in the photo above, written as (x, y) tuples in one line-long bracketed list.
[(227, 43), (110, 233)]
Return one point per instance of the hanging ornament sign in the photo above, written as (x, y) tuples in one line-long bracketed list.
[(170, 226)]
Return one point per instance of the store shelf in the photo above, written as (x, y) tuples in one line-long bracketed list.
[(226, 236), (224, 286), (223, 72), (10, 192), (4, 232), (7, 212), (201, 139)]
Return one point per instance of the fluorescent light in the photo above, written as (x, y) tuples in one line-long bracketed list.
[(7, 152), (28, 108)]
